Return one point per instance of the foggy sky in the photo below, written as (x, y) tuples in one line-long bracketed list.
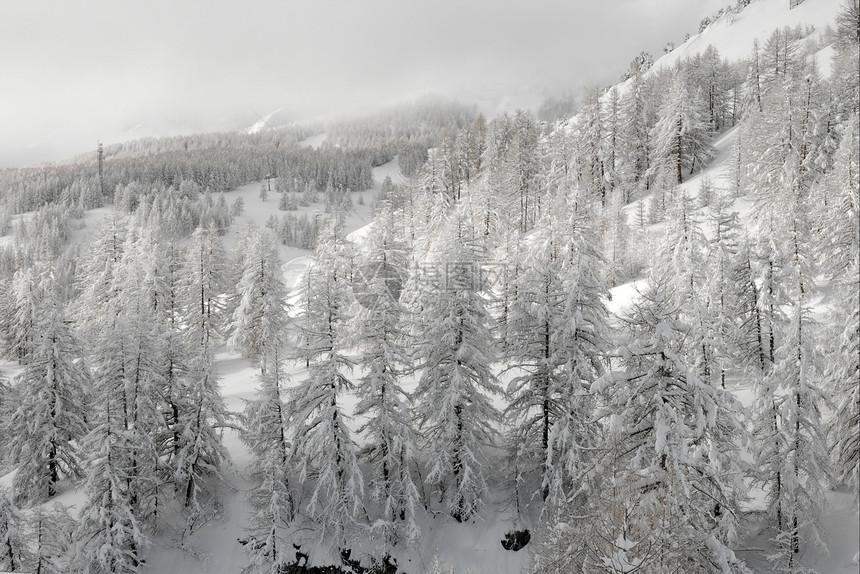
[(73, 73)]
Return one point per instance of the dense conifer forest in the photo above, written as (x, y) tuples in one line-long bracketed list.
[(634, 333)]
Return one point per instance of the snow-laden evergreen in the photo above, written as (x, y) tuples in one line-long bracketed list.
[(670, 482), (109, 531), (680, 138), (557, 340), (14, 553), (843, 245), (266, 432), (22, 314), (382, 431), (454, 410), (378, 332), (730, 294), (46, 426), (51, 530), (259, 320), (326, 454), (199, 453)]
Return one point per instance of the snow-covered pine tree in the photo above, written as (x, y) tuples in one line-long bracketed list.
[(441, 173), (51, 529), (752, 89), (454, 353), (204, 284), (325, 451), (727, 284), (523, 171), (21, 329), (109, 535), (612, 121), (842, 245), (557, 339), (14, 554), (590, 149), (795, 478), (796, 492), (681, 266), (473, 146), (680, 444), (259, 320), (172, 363), (790, 153), (508, 199), (96, 275), (123, 422), (844, 372), (846, 57), (636, 121), (680, 138), (6, 411), (377, 330), (45, 427), (531, 348), (266, 432), (7, 311), (510, 251), (198, 461), (136, 325), (618, 245), (781, 57), (663, 492)]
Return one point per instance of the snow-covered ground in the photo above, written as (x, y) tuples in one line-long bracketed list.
[(314, 141)]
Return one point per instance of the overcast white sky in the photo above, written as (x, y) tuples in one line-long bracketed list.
[(72, 73)]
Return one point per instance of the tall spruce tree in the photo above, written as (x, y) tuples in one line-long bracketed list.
[(14, 554), (636, 121), (378, 333), (663, 493), (197, 463), (680, 442), (796, 476), (266, 432), (557, 339), (842, 244), (109, 532), (454, 408), (120, 446), (259, 320), (51, 529), (326, 454), (680, 138), (48, 423)]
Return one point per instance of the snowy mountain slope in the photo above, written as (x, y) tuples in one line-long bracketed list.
[(840, 520), (733, 35), (733, 38)]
